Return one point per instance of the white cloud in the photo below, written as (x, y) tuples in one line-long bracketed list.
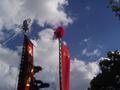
[(88, 53), (46, 49), (44, 11), (46, 55), (8, 77), (9, 62), (1, 36), (49, 12), (82, 73), (86, 40), (9, 56)]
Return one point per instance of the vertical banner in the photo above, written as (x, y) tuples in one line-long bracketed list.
[(65, 68), (30, 66), (26, 74)]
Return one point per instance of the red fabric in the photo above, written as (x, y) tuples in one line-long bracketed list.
[(65, 68), (59, 33), (29, 52), (26, 74)]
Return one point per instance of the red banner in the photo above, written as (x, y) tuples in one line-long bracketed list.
[(30, 67), (65, 68), (26, 67)]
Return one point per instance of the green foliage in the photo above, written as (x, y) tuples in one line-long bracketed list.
[(109, 78), (115, 6)]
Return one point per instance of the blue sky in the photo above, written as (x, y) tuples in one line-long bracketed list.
[(93, 32), (92, 20)]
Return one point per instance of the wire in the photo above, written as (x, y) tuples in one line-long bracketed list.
[(11, 37)]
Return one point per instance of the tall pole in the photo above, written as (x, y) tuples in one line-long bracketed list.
[(60, 63), (26, 67), (59, 33)]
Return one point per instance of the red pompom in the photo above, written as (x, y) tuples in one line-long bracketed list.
[(59, 33)]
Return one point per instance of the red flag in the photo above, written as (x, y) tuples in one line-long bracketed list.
[(65, 68)]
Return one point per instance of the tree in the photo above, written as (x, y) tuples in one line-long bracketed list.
[(109, 78), (115, 6)]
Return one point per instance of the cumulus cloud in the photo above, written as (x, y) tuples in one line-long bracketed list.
[(44, 12), (82, 73), (46, 55), (8, 76), (49, 12), (9, 63)]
